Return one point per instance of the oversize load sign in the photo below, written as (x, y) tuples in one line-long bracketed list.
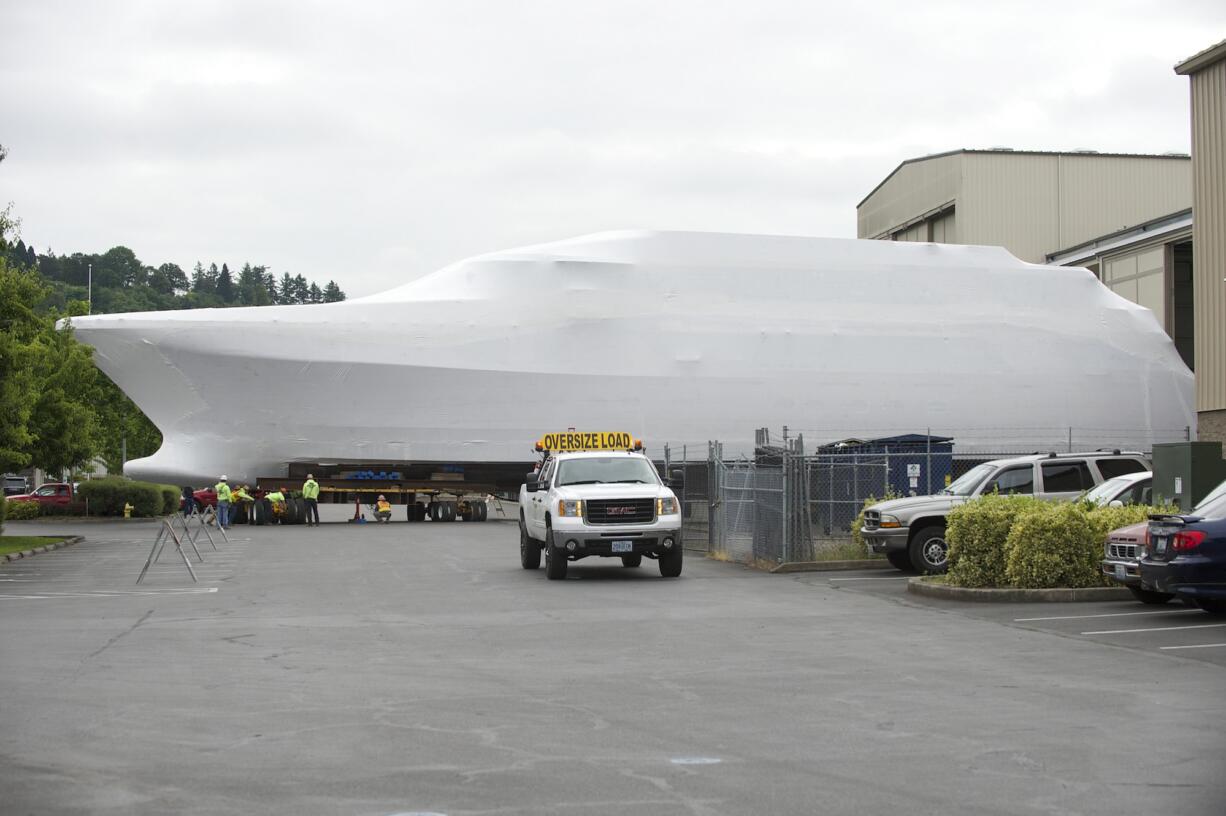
[(573, 441)]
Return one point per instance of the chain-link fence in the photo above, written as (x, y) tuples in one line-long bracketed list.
[(789, 504)]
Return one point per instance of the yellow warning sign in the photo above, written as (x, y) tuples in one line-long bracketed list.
[(577, 441)]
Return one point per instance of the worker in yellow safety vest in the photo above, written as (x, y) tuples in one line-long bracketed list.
[(240, 496), (383, 509), (223, 502), (277, 499), (310, 497)]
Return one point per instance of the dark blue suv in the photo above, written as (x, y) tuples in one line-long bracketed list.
[(1186, 554)]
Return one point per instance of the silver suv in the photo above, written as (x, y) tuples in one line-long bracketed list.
[(911, 531)]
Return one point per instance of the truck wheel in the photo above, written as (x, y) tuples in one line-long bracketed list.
[(1212, 605), (447, 513), (410, 513), (555, 559), (295, 511), (434, 510), (529, 550), (1149, 596), (670, 562), (262, 510), (480, 511), (632, 560), (900, 559), (929, 551)]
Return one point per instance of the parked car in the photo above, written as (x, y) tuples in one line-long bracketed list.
[(1186, 554), (911, 531), (57, 493), (1131, 488), (1122, 561), (15, 485)]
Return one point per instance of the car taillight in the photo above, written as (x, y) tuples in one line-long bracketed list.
[(1187, 540)]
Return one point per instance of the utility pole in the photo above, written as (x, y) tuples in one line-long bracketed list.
[(89, 309)]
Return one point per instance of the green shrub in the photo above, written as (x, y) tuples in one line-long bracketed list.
[(106, 497), (977, 533), (170, 498), (1055, 545), (22, 511), (856, 538)]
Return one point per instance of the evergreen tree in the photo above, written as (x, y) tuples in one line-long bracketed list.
[(287, 289), (200, 280), (301, 291), (333, 293), (270, 283), (225, 285), (314, 294)]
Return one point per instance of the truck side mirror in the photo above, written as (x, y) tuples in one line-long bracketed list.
[(676, 478), (531, 483)]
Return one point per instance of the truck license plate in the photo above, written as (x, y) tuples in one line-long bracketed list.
[(623, 546), (1160, 543), (1121, 572)]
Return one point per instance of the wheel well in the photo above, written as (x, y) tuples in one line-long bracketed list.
[(923, 524)]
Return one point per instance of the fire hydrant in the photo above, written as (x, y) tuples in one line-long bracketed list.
[(127, 510)]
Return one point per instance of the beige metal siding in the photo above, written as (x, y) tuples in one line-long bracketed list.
[(1010, 200), (1034, 205), (1209, 234), (1103, 194), (915, 189)]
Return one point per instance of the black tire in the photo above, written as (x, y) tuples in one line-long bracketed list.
[(410, 511), (447, 512), (632, 560), (901, 560), (480, 511), (295, 511), (529, 549), (555, 559), (419, 512), (1149, 596), (1212, 605), (435, 509), (670, 562), (928, 550), (263, 511)]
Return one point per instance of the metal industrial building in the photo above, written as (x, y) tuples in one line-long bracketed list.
[(1207, 72), (1031, 203), (1151, 227)]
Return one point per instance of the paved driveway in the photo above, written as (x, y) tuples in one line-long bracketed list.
[(363, 669)]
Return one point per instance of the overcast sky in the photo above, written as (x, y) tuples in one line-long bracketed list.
[(371, 143)]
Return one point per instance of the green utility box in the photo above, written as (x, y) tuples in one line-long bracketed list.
[(1185, 472)]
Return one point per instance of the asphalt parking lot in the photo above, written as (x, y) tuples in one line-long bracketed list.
[(415, 668), (1127, 624)]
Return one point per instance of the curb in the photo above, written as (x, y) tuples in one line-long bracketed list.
[(45, 548), (920, 586), (832, 566)]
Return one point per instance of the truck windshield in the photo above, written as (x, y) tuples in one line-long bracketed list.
[(606, 470), (965, 484)]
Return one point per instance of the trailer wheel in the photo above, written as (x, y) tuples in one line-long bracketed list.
[(480, 511), (447, 513), (419, 512), (435, 510), (261, 512), (295, 511)]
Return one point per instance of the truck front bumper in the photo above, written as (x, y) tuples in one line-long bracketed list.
[(893, 539), (643, 540), (1122, 571)]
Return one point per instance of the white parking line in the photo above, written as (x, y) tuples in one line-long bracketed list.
[(1156, 629), (1197, 646), (1108, 615), (881, 578), (113, 594)]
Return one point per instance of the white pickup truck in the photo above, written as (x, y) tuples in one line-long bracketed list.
[(609, 503)]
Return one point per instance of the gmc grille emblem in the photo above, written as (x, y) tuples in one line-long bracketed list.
[(620, 511)]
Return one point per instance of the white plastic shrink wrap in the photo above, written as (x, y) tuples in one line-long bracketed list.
[(673, 337)]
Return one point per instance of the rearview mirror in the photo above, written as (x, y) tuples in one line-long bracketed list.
[(1115, 503), (531, 483)]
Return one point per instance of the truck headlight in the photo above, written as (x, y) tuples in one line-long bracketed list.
[(666, 507), (570, 508), (889, 521)]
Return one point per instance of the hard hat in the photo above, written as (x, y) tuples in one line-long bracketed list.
[(223, 477), (310, 475), (381, 497)]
